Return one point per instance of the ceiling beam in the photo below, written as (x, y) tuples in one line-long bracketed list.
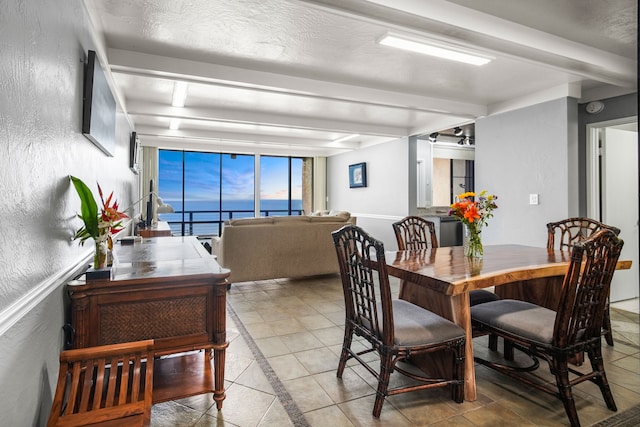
[(263, 118), (145, 131), (161, 66), (238, 147)]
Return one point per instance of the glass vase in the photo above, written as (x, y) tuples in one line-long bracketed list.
[(100, 254), (472, 241)]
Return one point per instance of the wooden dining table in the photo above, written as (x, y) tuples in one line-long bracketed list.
[(440, 279)]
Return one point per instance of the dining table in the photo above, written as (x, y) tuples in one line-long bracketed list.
[(439, 280)]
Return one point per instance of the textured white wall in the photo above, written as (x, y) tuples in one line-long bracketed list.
[(526, 151), (385, 199), (41, 46)]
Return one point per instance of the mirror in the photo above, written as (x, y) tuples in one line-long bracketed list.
[(443, 171)]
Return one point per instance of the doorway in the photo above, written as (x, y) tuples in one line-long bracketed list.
[(612, 193)]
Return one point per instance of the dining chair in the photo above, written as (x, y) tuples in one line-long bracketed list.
[(108, 385), (556, 336), (571, 230), (414, 233), (395, 329)]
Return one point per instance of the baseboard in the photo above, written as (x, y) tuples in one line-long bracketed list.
[(21, 307)]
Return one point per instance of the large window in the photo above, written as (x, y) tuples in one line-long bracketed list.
[(281, 185), (205, 189)]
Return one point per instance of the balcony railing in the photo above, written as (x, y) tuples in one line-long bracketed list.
[(210, 223)]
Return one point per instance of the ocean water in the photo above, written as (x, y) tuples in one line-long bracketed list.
[(202, 217)]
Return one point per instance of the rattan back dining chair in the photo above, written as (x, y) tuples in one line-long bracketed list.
[(109, 385), (395, 329), (572, 230), (415, 233), (556, 336)]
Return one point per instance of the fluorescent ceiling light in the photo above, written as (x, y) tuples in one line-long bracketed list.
[(346, 138), (179, 94), (174, 124), (434, 48)]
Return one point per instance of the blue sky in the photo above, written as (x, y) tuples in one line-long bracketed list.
[(202, 176)]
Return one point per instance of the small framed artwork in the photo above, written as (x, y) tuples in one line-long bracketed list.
[(358, 175)]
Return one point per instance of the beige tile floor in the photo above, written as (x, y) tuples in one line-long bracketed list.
[(285, 338)]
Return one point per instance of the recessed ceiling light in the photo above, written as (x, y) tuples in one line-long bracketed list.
[(434, 48), (179, 93), (174, 124), (346, 138)]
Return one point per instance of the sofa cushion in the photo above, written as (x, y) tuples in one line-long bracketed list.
[(290, 219), (342, 214), (249, 221), (327, 218)]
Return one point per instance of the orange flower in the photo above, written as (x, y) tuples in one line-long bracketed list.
[(474, 209), (471, 213), (98, 225)]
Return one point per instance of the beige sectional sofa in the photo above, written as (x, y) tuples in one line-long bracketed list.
[(277, 247)]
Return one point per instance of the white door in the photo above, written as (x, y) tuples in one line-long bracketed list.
[(619, 198)]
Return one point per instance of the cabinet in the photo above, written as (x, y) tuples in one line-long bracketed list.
[(171, 290)]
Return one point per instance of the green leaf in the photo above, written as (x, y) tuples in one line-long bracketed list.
[(89, 210)]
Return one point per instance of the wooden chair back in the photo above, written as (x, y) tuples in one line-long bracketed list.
[(108, 385), (365, 283), (414, 232), (572, 230), (586, 288)]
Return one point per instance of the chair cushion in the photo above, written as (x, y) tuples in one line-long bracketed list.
[(517, 317), (415, 325), (480, 296)]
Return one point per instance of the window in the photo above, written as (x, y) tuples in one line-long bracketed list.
[(280, 186), (206, 189)]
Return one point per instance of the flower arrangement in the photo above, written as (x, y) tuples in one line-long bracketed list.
[(98, 226), (474, 211)]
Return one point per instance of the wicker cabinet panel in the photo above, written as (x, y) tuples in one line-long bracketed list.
[(136, 321)]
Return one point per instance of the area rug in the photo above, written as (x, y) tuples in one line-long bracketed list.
[(628, 418), (289, 405)]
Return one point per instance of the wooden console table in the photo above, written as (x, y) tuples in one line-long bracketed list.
[(161, 229), (169, 289)]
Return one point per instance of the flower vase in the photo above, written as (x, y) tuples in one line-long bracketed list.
[(100, 255), (472, 241)]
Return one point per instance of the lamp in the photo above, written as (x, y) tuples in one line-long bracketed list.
[(433, 137), (345, 138), (457, 131), (162, 207), (179, 97), (434, 47)]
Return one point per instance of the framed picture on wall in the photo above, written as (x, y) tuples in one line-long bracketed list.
[(358, 175)]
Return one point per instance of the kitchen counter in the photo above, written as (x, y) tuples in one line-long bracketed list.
[(448, 228)]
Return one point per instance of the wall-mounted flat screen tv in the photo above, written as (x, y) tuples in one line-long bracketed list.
[(134, 147), (98, 107)]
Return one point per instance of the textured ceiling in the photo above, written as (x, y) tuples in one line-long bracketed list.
[(290, 77)]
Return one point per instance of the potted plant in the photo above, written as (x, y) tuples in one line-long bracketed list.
[(98, 226)]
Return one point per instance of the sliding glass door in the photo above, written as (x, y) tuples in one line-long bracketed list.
[(206, 189)]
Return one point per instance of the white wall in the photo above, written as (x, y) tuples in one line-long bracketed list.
[(532, 150), (41, 143), (385, 199)]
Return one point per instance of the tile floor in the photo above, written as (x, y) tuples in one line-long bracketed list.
[(285, 337)]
